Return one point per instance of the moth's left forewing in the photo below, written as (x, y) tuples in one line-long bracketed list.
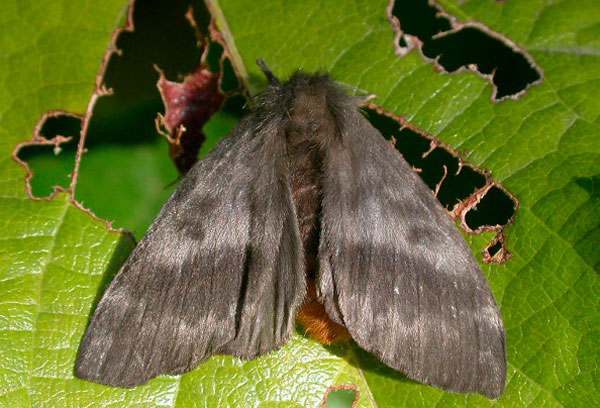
[(398, 274), (218, 272)]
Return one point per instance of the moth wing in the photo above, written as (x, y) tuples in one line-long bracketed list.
[(397, 273), (219, 271)]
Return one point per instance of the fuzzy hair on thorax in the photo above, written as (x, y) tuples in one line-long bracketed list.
[(305, 103)]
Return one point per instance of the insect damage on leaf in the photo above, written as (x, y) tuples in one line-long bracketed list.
[(51, 130), (121, 113), (346, 395), (496, 250), (454, 46), (56, 134)]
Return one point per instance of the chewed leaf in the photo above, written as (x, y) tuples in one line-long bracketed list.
[(542, 147), (455, 46)]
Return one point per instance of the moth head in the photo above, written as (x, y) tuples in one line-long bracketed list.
[(308, 106)]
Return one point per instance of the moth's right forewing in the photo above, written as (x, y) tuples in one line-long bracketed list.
[(397, 272), (219, 271)]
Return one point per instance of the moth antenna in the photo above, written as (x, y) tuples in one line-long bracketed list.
[(263, 65)]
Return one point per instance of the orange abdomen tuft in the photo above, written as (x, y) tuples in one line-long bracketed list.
[(316, 322)]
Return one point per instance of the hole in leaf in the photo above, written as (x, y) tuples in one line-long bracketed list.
[(473, 46), (230, 81), (52, 165), (495, 208), (213, 58), (493, 249), (402, 42), (64, 125), (344, 396), (459, 186), (200, 17), (496, 250), (419, 18)]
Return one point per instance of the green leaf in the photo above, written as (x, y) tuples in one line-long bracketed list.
[(543, 147)]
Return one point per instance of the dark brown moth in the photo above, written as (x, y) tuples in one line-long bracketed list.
[(304, 189)]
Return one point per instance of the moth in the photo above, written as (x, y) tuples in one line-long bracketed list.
[(304, 209)]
